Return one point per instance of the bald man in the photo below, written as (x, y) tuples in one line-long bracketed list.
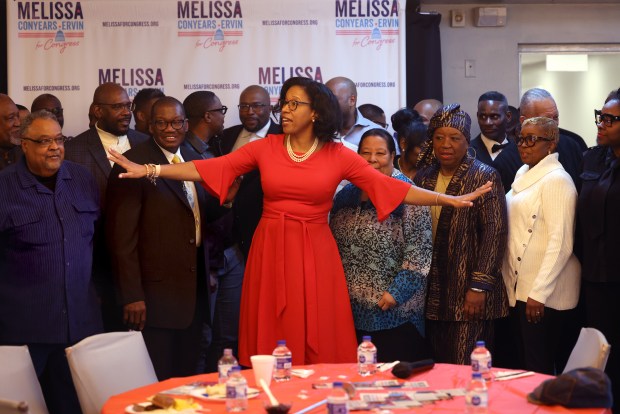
[(112, 108), (354, 124), (50, 103), (9, 132), (254, 111), (427, 108)]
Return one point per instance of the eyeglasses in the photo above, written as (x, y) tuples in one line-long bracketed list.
[(223, 110), (46, 142), (292, 105), (531, 140), (176, 124), (118, 107), (253, 106), (607, 119), (55, 111)]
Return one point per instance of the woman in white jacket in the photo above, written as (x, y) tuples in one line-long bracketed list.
[(541, 274)]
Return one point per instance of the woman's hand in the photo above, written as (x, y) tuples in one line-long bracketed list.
[(465, 200), (133, 170), (474, 305), (386, 302), (534, 311)]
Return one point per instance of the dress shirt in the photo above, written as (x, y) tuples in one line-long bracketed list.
[(246, 136), (190, 187), (539, 262), (352, 138), (120, 144), (488, 143)]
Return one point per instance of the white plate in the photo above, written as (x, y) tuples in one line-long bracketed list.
[(200, 393), (129, 410)]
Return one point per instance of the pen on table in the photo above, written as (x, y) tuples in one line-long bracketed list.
[(312, 407), (514, 375)]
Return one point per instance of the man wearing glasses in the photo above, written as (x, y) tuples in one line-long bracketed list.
[(112, 108), (10, 152), (50, 103), (155, 235), (49, 208), (254, 114)]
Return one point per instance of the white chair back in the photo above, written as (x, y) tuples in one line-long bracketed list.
[(13, 407), (18, 379), (591, 350), (107, 364)]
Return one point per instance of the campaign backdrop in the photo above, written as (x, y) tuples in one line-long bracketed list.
[(68, 48)]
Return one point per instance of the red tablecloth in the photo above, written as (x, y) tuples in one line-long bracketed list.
[(505, 397)]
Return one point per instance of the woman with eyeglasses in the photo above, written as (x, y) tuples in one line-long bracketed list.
[(598, 216), (465, 288), (540, 272), (294, 286)]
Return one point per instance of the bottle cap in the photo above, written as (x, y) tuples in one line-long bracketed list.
[(479, 343), (366, 338), (337, 384), (476, 375), (227, 351), (281, 342), (235, 368)]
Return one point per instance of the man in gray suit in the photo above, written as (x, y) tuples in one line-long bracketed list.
[(112, 108)]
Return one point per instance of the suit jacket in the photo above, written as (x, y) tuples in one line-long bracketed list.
[(152, 241), (506, 163), (248, 204), (86, 149)]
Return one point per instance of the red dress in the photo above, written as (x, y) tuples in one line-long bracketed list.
[(294, 286)]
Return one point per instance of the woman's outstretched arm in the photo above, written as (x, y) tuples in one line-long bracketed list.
[(185, 171), (421, 197)]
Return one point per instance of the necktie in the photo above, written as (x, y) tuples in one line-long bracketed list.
[(189, 194), (496, 147)]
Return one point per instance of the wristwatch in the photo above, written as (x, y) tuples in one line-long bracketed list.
[(477, 290)]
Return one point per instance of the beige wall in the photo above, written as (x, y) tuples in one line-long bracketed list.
[(495, 50)]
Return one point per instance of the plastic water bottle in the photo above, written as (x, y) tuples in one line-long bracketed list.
[(366, 357), (236, 391), (283, 363), (226, 362), (477, 397), (337, 400), (481, 361)]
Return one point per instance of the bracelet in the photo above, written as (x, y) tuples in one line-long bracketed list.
[(437, 199), (157, 170), (152, 172)]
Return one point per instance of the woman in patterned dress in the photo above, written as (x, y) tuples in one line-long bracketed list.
[(385, 262)]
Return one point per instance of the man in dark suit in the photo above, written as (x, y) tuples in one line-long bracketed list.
[(254, 113), (112, 108), (160, 261), (492, 145), (10, 152), (206, 121), (539, 102)]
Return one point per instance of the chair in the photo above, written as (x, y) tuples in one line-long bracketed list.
[(107, 364), (18, 379), (13, 407), (591, 350)]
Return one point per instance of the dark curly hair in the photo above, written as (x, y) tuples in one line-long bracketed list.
[(322, 101), (409, 126)]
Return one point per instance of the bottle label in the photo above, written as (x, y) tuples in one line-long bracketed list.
[(367, 357), (236, 391), (337, 408), (284, 362), (224, 370), (477, 400)]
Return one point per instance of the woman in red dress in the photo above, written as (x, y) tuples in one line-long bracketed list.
[(294, 286)]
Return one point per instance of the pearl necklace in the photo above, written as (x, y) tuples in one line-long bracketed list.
[(302, 157)]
